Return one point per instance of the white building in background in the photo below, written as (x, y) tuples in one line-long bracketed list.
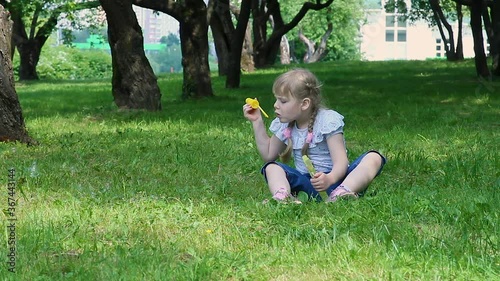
[(155, 26), (386, 36)]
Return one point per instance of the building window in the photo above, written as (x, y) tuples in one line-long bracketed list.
[(390, 21), (389, 35), (401, 35), (440, 52), (393, 29), (373, 4), (401, 22)]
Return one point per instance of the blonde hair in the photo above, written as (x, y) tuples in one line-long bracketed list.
[(299, 83)]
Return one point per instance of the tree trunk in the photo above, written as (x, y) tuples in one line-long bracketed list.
[(459, 53), (12, 127), (309, 46), (266, 48), (29, 47), (194, 45), (193, 21), (449, 42), (234, 74), (314, 55), (222, 31), (134, 82), (247, 52), (477, 33), (495, 44), (488, 28), (284, 50), (284, 46), (29, 55), (259, 28)]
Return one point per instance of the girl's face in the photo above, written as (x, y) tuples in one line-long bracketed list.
[(288, 109)]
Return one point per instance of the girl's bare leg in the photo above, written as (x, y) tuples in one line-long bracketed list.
[(276, 179), (359, 179)]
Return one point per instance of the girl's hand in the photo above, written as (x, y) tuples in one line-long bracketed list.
[(320, 181), (251, 114)]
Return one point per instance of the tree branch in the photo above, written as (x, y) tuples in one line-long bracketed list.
[(34, 20), (469, 3), (45, 30), (169, 7), (298, 17), (309, 44)]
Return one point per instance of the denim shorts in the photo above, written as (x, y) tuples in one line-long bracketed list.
[(302, 182)]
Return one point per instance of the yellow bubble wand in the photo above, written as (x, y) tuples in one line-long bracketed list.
[(254, 103), (309, 165), (312, 171)]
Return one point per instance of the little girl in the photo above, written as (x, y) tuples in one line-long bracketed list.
[(303, 126)]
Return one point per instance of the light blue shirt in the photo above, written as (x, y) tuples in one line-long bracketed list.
[(328, 123)]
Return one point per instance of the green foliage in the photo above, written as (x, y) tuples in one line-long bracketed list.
[(37, 13), (421, 10), (89, 34), (62, 62), (373, 4), (170, 40), (345, 16), (176, 194), (168, 59)]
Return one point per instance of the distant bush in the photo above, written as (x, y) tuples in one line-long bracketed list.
[(166, 60), (63, 62)]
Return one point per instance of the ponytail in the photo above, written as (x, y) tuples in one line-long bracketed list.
[(305, 148), (286, 154)]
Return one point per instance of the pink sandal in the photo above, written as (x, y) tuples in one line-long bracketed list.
[(282, 196), (341, 192)]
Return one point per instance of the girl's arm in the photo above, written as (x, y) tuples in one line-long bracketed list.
[(336, 146), (269, 147), (338, 154)]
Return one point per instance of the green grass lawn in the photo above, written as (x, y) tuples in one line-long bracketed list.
[(176, 194)]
